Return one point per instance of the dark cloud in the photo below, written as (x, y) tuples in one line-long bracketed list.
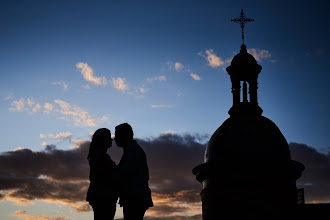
[(52, 174), (316, 177), (175, 217), (171, 159), (62, 175), (24, 164)]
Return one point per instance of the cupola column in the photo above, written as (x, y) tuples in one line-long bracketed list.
[(236, 90), (253, 87), (245, 92)]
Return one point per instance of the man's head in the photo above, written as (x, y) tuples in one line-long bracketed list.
[(123, 134)]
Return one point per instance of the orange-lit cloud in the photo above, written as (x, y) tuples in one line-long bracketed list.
[(120, 84), (195, 76), (23, 215), (178, 66), (213, 60), (88, 74), (48, 107), (27, 105)]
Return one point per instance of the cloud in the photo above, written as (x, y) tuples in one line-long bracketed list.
[(79, 116), (67, 111), (260, 55), (48, 108), (64, 85), (119, 84), (9, 97), (55, 175), (2, 197), (142, 90), (23, 215), (178, 66), (61, 135), (157, 78), (86, 87), (88, 74), (51, 175), (25, 105), (213, 60), (315, 178), (161, 106), (122, 85), (36, 108), (195, 76)]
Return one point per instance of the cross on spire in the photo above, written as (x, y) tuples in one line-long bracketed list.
[(242, 20)]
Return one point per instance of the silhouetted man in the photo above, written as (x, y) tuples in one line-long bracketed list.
[(132, 175)]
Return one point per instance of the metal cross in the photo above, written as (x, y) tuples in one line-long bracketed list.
[(242, 20)]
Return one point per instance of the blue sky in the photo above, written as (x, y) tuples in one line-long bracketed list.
[(70, 67)]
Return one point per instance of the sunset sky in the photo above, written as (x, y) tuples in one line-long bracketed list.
[(70, 67)]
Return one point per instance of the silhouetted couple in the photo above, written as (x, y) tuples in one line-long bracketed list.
[(127, 181)]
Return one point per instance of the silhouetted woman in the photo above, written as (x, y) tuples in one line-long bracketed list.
[(101, 193)]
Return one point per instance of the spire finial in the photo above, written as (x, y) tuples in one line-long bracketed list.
[(242, 20)]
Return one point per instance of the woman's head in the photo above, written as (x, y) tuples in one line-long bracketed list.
[(101, 141), (102, 136)]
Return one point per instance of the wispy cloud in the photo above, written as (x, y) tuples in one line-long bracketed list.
[(67, 111), (25, 105), (178, 66), (78, 115), (195, 76), (120, 84), (161, 106), (64, 85), (157, 78), (61, 135), (88, 74), (142, 90), (260, 55), (48, 107), (44, 143), (9, 97), (86, 87)]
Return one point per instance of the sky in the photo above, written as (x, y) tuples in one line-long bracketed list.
[(70, 67)]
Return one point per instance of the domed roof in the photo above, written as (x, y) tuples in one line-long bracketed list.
[(244, 66), (248, 140), (243, 58)]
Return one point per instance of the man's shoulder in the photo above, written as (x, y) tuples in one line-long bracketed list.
[(135, 147)]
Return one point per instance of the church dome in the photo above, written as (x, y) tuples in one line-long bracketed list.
[(244, 66), (254, 140)]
